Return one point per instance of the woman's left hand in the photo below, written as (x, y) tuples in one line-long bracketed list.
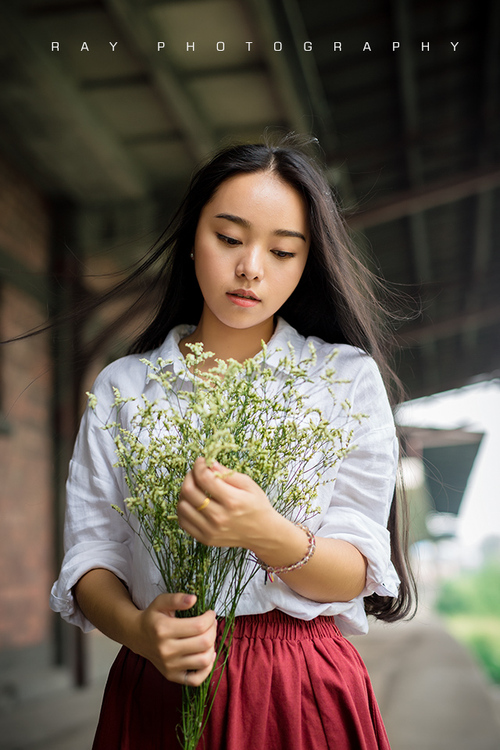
[(238, 513)]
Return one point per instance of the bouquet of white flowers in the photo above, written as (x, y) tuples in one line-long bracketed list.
[(230, 413)]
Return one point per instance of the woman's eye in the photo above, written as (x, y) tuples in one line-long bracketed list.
[(228, 240), (283, 254)]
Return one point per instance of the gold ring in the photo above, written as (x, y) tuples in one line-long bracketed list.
[(204, 504)]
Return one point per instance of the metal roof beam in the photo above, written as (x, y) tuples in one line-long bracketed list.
[(74, 153), (431, 196), (409, 99), (140, 35), (298, 83), (417, 222), (463, 374), (483, 236), (442, 129), (289, 87), (423, 334)]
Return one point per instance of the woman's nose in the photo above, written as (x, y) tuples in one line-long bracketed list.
[(250, 265)]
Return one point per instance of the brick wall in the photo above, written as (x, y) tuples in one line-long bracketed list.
[(26, 546)]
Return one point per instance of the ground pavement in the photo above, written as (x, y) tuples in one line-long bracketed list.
[(431, 693)]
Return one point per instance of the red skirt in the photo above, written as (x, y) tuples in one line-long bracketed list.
[(288, 685)]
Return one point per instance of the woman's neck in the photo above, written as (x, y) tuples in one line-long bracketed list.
[(225, 342)]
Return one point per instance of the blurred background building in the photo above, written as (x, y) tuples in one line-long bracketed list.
[(106, 108)]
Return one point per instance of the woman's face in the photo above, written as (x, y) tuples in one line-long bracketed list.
[(250, 248)]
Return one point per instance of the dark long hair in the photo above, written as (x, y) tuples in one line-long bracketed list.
[(335, 299)]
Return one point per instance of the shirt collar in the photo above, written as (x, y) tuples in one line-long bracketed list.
[(170, 351), (277, 346)]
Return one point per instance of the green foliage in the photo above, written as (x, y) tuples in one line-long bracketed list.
[(487, 651), (481, 634), (471, 605), (477, 593)]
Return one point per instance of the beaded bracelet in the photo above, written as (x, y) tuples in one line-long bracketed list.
[(270, 570)]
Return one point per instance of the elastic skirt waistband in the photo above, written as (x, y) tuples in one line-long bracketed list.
[(278, 625)]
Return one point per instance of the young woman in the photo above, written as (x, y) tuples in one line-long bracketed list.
[(257, 252)]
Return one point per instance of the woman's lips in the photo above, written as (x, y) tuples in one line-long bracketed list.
[(242, 301)]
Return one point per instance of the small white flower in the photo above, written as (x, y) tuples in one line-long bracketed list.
[(92, 402)]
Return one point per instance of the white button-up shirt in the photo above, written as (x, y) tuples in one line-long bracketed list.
[(353, 507)]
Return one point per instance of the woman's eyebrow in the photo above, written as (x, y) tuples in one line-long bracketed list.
[(236, 219), (289, 233), (245, 223)]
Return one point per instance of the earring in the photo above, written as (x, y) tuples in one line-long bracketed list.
[(192, 255)]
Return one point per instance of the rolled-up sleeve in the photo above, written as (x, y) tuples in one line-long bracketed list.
[(362, 492), (94, 535)]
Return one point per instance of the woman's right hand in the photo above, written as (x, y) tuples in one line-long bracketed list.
[(182, 649)]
